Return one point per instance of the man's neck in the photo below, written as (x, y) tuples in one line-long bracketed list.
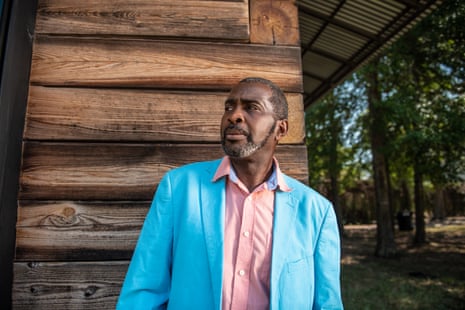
[(252, 172)]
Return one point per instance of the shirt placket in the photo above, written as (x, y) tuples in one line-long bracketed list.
[(244, 255)]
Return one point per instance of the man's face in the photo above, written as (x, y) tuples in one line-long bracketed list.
[(248, 124)]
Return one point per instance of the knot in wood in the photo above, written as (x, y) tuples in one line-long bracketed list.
[(34, 290), (90, 290), (69, 212), (67, 217), (33, 265)]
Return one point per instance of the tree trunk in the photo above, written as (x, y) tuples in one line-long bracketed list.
[(385, 242), (334, 172), (420, 234), (390, 194), (405, 203), (439, 212)]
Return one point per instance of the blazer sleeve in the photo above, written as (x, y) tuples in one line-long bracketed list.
[(327, 264), (147, 283)]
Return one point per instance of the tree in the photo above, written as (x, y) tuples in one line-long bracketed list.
[(425, 82), (329, 126), (415, 92), (385, 242)]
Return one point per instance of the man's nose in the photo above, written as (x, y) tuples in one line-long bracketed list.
[(237, 115)]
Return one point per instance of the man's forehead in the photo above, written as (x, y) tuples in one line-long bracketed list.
[(250, 91)]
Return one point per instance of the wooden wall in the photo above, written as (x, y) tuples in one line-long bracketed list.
[(120, 92)]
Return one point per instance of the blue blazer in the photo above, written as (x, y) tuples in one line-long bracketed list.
[(178, 260)]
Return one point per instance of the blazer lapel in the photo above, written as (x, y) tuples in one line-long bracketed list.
[(284, 216), (212, 208)]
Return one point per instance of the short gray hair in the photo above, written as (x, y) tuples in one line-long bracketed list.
[(278, 99)]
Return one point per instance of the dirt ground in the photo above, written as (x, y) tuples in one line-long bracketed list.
[(443, 254)]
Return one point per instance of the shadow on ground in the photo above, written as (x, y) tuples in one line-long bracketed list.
[(431, 276)]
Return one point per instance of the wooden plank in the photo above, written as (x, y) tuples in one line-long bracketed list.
[(274, 22), (135, 115), (71, 230), (161, 64), (91, 243), (228, 20), (73, 285), (83, 171), (122, 215)]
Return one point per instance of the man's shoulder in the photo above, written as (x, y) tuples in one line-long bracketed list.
[(302, 190)]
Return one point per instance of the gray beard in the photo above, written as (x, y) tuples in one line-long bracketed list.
[(249, 148)]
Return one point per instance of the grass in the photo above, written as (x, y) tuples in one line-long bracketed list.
[(427, 277)]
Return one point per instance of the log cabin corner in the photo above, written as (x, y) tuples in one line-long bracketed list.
[(96, 104)]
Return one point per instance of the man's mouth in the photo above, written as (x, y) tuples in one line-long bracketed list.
[(235, 133)]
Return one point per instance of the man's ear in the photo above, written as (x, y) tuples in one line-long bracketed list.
[(282, 127)]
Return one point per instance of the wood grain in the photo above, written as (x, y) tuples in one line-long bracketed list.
[(88, 243), (274, 22), (122, 215), (71, 230), (96, 62), (87, 171), (67, 285), (227, 20), (135, 115)]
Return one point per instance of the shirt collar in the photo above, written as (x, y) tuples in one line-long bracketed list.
[(275, 181)]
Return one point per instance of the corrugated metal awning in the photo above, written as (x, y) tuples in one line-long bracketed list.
[(338, 36)]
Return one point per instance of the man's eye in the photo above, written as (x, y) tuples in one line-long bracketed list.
[(252, 108), (228, 108)]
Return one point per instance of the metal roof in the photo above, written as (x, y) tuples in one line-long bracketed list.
[(338, 36)]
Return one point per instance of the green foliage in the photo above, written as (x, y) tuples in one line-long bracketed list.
[(333, 129), (423, 77), (422, 83)]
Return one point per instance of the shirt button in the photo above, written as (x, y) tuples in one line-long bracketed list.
[(246, 234), (241, 272)]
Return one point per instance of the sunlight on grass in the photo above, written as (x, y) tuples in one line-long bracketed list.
[(370, 286), (450, 228), (429, 277)]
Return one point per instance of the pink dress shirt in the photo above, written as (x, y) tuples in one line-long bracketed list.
[(248, 239)]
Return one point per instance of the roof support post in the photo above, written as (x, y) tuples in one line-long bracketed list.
[(13, 100)]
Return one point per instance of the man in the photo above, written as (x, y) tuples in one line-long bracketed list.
[(237, 233)]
